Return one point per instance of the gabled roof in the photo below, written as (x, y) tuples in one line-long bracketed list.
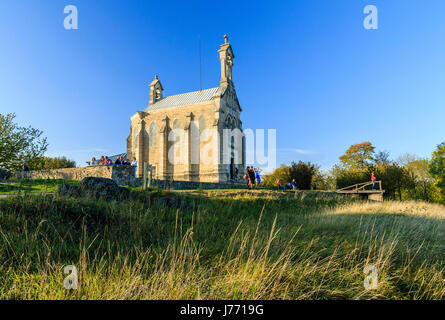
[(183, 99), (155, 81)]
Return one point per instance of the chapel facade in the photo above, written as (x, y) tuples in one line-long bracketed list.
[(194, 136)]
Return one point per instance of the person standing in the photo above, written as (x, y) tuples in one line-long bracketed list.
[(257, 177), (25, 167), (252, 177), (134, 163), (294, 184), (119, 160), (246, 176), (373, 179), (25, 170), (278, 184)]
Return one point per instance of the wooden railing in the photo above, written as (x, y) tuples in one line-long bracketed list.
[(360, 187)]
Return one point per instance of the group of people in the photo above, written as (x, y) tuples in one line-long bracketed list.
[(290, 185), (105, 161), (252, 177)]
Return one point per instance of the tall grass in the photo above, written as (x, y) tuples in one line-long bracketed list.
[(251, 247)]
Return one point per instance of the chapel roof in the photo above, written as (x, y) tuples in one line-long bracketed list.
[(184, 99)]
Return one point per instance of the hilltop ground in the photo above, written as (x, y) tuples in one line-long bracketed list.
[(228, 244)]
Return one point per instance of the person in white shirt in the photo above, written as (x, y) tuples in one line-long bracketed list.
[(134, 163)]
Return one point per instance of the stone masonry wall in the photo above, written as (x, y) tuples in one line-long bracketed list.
[(192, 185), (122, 175)]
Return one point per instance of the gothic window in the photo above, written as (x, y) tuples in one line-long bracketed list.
[(202, 123), (177, 125), (203, 133), (152, 134)]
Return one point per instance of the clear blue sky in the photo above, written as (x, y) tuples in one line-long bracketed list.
[(307, 68)]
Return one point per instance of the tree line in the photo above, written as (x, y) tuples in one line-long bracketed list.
[(25, 145), (407, 178)]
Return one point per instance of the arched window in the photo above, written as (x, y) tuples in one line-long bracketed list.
[(203, 133), (202, 123), (177, 125), (136, 131), (152, 134)]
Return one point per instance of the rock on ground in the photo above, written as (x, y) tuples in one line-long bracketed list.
[(173, 202), (98, 188)]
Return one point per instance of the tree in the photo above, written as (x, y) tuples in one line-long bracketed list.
[(323, 180), (302, 172), (395, 179), (354, 164), (19, 144), (346, 177), (422, 181), (281, 173), (358, 163), (382, 157), (47, 163), (406, 158), (437, 168), (358, 156)]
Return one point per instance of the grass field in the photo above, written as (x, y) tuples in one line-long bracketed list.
[(36, 186), (229, 245)]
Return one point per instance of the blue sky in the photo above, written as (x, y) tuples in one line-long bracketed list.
[(307, 68)]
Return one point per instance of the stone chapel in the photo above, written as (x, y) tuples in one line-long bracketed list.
[(185, 136)]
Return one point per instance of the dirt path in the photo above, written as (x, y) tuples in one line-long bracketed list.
[(5, 196), (262, 193)]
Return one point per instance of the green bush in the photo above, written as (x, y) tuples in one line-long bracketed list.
[(302, 172), (47, 163)]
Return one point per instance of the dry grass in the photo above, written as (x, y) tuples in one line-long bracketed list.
[(247, 248), (407, 208)]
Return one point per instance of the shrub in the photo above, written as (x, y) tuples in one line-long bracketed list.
[(4, 174), (47, 163), (302, 172)]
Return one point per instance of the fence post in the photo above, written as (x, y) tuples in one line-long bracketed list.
[(144, 181), (150, 175)]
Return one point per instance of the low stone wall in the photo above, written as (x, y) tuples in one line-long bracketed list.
[(192, 185), (122, 175)]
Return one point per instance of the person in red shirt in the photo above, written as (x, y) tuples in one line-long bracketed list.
[(373, 179), (279, 184)]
